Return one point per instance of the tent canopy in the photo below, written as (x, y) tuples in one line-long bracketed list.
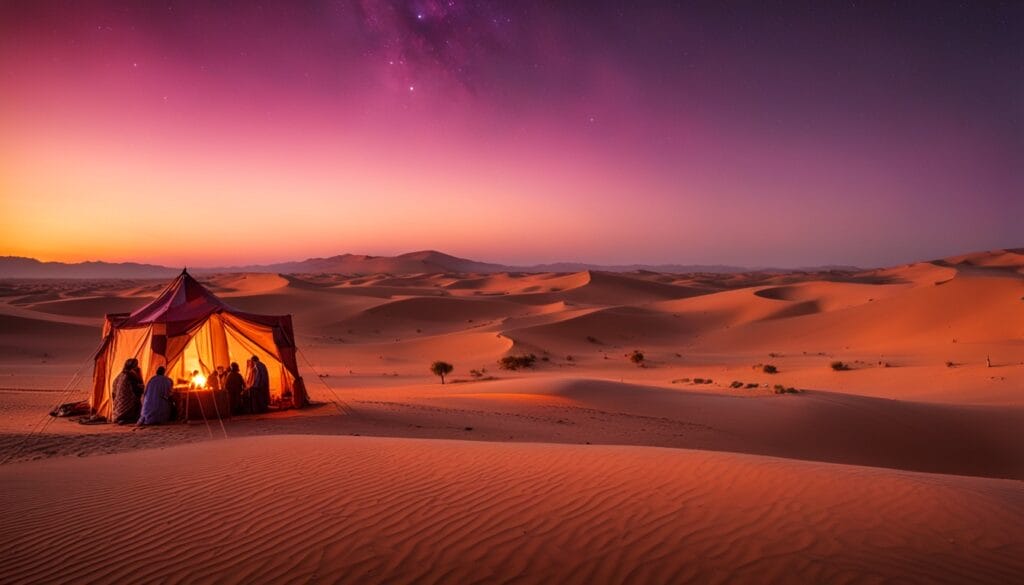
[(187, 328)]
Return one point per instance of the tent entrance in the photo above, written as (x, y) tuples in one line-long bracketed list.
[(222, 339)]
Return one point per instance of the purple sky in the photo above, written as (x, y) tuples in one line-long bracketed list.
[(518, 132)]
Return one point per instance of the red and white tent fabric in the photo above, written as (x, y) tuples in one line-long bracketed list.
[(187, 328)]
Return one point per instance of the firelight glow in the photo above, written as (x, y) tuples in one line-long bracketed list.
[(208, 133)]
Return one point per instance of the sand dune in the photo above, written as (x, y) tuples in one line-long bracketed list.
[(22, 338), (604, 288), (95, 307), (814, 425), (965, 308), (247, 284), (400, 510), (1009, 259), (831, 296), (579, 468), (615, 326)]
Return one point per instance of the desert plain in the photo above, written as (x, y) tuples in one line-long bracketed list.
[(834, 426)]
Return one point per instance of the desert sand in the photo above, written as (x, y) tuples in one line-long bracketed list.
[(905, 467)]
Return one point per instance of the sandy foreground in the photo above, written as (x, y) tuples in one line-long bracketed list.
[(907, 467), (306, 508)]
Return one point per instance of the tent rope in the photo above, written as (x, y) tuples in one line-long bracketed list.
[(202, 412), (40, 426), (342, 406), (216, 409)]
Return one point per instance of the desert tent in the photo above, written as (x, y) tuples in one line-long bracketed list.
[(187, 328)]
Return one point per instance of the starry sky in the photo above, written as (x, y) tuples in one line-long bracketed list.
[(756, 134)]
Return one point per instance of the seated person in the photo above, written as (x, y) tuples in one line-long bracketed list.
[(234, 384), (157, 400), (125, 402), (213, 382)]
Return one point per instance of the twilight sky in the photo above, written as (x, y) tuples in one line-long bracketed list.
[(217, 132)]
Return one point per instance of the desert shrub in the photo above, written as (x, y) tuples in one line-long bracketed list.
[(780, 389), (840, 366), (478, 373), (637, 357), (698, 380), (441, 369), (736, 384), (950, 364), (516, 362), (592, 339), (751, 385), (568, 358), (769, 369), (708, 380)]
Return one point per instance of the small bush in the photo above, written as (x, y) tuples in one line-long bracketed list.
[(568, 358), (515, 362), (769, 369), (780, 389), (840, 366), (736, 384), (950, 364), (592, 339), (698, 380), (637, 357), (751, 385)]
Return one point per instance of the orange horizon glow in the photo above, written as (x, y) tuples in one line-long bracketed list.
[(514, 135)]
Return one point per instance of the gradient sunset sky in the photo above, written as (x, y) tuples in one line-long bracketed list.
[(790, 134)]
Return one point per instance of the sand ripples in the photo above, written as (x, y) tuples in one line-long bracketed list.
[(354, 509)]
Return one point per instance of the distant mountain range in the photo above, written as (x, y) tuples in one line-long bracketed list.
[(427, 261)]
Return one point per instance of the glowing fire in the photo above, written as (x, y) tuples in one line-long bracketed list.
[(199, 381)]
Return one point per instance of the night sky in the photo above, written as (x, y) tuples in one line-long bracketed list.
[(787, 134)]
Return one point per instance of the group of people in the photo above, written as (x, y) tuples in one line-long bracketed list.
[(250, 394), (152, 402)]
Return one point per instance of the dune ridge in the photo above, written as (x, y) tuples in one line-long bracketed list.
[(589, 466)]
